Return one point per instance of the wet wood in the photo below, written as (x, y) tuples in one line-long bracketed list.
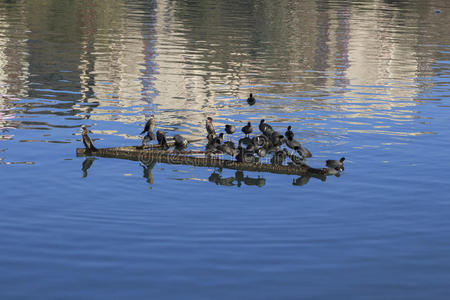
[(197, 158)]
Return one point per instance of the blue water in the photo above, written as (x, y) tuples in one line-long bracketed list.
[(367, 80)]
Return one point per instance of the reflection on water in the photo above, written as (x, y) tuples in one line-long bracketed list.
[(368, 80), (164, 61)]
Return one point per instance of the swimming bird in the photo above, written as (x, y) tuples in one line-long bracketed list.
[(251, 100), (180, 141), (88, 144), (336, 164), (230, 129), (150, 125), (289, 133), (150, 136), (161, 137), (210, 126), (247, 129), (331, 171)]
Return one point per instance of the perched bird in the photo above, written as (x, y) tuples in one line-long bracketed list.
[(210, 137), (277, 139), (244, 155), (230, 129), (161, 137), (336, 164), (180, 141), (295, 145), (279, 156), (289, 133), (251, 100), (150, 125), (88, 144), (210, 126), (227, 149), (219, 139), (260, 140), (150, 136), (247, 129), (262, 152), (265, 128)]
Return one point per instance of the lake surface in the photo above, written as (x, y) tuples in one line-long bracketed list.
[(367, 80)]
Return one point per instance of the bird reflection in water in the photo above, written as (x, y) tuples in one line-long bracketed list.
[(238, 178), (87, 163), (148, 168)]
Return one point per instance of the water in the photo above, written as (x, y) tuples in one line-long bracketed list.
[(368, 80)]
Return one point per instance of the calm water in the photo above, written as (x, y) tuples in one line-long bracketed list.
[(368, 80)]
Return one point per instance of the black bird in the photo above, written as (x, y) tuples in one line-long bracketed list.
[(289, 134), (88, 144), (227, 149), (150, 125), (161, 137), (279, 156), (251, 100), (247, 129), (295, 145), (150, 136), (336, 164), (260, 140), (219, 139), (305, 153), (265, 128), (180, 141), (210, 126), (262, 152), (277, 139), (230, 129), (210, 137)]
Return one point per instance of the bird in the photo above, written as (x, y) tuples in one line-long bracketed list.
[(277, 139), (279, 156), (219, 139), (150, 125), (161, 137), (289, 133), (260, 140), (88, 144), (227, 149), (150, 136), (230, 129), (251, 100), (262, 152), (295, 145), (331, 171), (247, 129), (210, 126), (180, 141), (265, 128), (336, 164)]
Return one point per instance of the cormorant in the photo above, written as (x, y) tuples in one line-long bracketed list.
[(88, 144)]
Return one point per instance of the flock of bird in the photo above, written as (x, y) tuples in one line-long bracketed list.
[(249, 149)]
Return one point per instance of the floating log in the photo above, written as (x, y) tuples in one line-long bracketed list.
[(153, 153)]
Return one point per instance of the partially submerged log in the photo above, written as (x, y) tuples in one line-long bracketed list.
[(197, 158)]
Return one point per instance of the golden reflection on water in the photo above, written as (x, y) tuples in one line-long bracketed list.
[(184, 63)]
